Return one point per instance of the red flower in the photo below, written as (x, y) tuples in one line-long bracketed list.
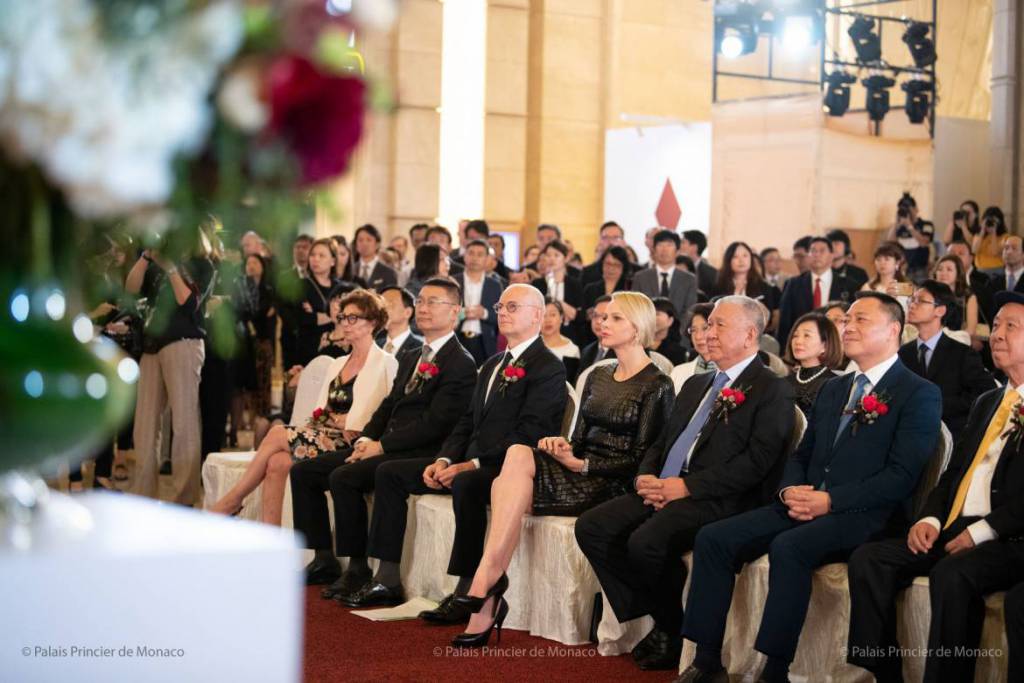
[(319, 115), (520, 373), (726, 392), (317, 413), (423, 367), (881, 409), (433, 370), (739, 397), (870, 403)]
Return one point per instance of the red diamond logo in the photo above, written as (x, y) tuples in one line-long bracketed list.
[(668, 212)]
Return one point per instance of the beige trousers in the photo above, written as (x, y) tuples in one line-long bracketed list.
[(169, 379)]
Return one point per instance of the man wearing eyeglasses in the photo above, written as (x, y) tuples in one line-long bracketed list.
[(956, 368), (502, 413), (431, 391)]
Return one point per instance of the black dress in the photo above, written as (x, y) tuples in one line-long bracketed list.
[(618, 421), (806, 388), (312, 439)]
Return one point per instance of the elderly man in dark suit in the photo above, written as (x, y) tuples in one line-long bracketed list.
[(856, 466), (431, 390), (478, 331), (969, 538), (813, 289), (662, 278), (956, 368), (711, 461), (369, 271), (471, 457)]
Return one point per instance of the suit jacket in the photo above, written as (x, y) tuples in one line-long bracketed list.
[(413, 342), (736, 464), (986, 296), (958, 372), (489, 296), (979, 283), (798, 298), (874, 471), (855, 274), (682, 290), (707, 276), (1007, 488), (523, 413), (588, 356), (573, 291), (373, 383), (380, 277), (416, 423)]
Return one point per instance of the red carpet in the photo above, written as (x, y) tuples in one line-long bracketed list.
[(342, 647)]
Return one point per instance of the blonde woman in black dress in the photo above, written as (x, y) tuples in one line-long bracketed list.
[(623, 408)]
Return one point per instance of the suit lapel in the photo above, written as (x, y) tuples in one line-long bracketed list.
[(525, 360), (890, 377), (938, 355), (481, 394), (746, 379), (691, 402), (836, 414)]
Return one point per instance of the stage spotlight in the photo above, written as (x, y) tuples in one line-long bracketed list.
[(837, 92), (797, 33), (922, 49), (865, 41), (737, 42), (737, 25), (877, 101), (917, 101)]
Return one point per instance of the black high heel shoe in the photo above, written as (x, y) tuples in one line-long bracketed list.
[(481, 639), (474, 604)]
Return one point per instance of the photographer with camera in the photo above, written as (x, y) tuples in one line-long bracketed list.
[(964, 225), (914, 235), (988, 244)]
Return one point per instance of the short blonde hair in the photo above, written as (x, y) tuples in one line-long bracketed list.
[(639, 310)]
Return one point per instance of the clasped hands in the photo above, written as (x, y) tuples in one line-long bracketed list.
[(561, 450), (365, 449), (805, 503), (660, 492), (439, 474), (923, 535)]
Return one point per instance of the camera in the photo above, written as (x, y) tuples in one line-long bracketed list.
[(959, 215), (991, 223), (902, 212)]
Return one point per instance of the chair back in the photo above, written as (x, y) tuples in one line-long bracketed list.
[(569, 418), (663, 363), (936, 466), (310, 380)]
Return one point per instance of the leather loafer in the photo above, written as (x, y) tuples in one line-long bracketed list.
[(320, 573), (643, 648), (448, 612), (694, 675), (663, 652), (374, 594), (349, 583)]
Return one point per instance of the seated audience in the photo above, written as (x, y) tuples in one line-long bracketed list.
[(397, 338), (332, 342), (667, 338), (430, 262), (954, 367), (558, 344), (771, 259), (950, 271), (693, 244), (622, 412), (478, 330), (815, 353), (811, 289), (967, 538), (662, 278), (856, 466), (319, 285), (711, 460), (698, 330), (358, 383), (430, 392), (594, 352), (842, 255), (613, 277), (560, 285), (502, 413), (740, 276), (370, 269)]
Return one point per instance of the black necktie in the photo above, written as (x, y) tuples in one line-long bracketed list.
[(922, 356), (664, 285), (497, 375)]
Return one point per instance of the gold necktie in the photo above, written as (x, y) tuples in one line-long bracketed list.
[(995, 428)]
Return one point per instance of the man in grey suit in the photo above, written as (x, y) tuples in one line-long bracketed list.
[(662, 278)]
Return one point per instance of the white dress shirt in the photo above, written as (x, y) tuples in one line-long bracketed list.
[(556, 290), (930, 343), (874, 376), (978, 502), (471, 296), (670, 271), (1017, 274), (826, 285), (516, 352), (733, 374), (366, 269)]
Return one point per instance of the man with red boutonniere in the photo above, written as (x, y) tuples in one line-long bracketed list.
[(727, 435), (968, 538), (869, 437)]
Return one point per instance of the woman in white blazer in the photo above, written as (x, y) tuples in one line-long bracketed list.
[(699, 315), (356, 386)]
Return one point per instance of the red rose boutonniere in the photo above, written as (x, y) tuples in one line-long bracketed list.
[(427, 371), (728, 400), (512, 373), (870, 408), (1016, 429), (319, 417)]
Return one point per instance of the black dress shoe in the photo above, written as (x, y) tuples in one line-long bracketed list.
[(323, 572), (349, 583), (374, 594), (448, 612), (643, 648), (663, 652), (694, 675)]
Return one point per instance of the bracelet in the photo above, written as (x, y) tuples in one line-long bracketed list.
[(586, 466)]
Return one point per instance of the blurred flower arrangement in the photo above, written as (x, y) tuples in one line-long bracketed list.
[(152, 116)]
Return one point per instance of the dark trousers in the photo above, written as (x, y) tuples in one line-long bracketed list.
[(348, 484), (1013, 610), (475, 346), (795, 550), (470, 491), (637, 552), (957, 586)]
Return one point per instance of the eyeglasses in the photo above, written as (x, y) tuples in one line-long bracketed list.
[(918, 301), (351, 318), (433, 302), (512, 307), (703, 329)]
